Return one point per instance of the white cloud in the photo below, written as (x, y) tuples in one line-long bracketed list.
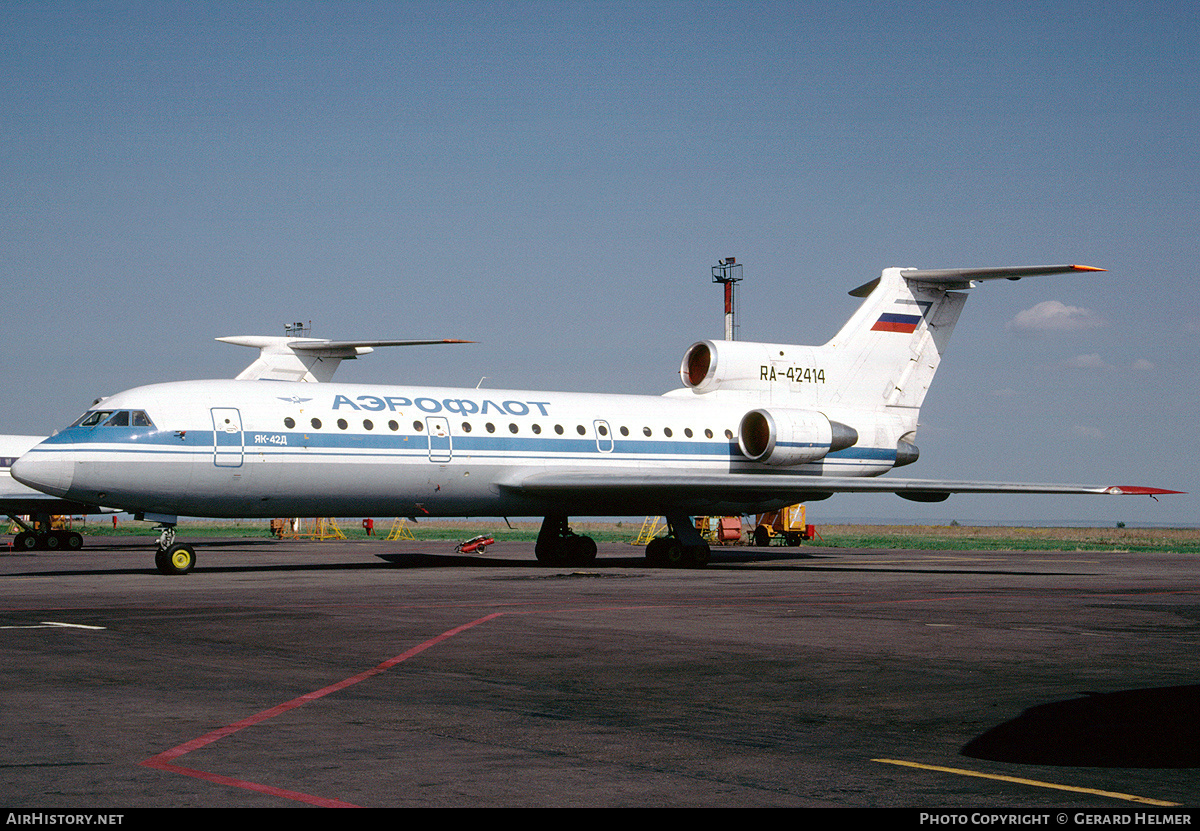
[(1142, 365), (1092, 361), (1085, 431), (1053, 316)]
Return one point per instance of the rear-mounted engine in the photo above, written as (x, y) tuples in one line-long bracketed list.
[(791, 437), (710, 365)]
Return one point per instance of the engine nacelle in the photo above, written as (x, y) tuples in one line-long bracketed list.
[(791, 437), (725, 364)]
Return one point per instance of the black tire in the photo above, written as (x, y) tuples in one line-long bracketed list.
[(580, 550), (698, 556), (654, 552), (178, 559), (762, 537)]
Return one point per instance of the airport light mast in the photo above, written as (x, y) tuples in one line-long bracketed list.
[(729, 272)]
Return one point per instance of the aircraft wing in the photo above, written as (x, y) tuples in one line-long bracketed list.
[(32, 502), (647, 491)]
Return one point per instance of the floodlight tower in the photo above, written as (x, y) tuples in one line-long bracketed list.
[(729, 272)]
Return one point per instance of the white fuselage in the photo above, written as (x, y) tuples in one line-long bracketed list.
[(273, 448)]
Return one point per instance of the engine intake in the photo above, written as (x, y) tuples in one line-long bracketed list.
[(791, 437)]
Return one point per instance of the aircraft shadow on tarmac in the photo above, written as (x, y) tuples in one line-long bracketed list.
[(776, 558), (1150, 728)]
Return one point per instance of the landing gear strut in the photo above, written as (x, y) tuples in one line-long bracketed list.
[(558, 545), (170, 558), (683, 548)]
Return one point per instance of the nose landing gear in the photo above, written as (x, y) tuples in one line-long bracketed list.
[(172, 558)]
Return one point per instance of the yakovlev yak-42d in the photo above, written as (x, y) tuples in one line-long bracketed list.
[(756, 427)]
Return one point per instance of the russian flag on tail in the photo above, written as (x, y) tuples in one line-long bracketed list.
[(895, 322)]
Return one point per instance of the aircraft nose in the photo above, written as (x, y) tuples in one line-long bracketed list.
[(48, 471)]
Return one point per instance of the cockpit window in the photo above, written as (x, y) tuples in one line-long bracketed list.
[(91, 419), (114, 418)]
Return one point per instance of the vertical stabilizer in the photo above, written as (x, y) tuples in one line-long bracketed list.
[(890, 348)]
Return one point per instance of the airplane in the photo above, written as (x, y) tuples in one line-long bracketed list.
[(18, 500), (282, 358), (755, 427)]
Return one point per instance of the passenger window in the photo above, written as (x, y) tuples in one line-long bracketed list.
[(289, 422)]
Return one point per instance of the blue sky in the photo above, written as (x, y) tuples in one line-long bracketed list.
[(555, 180)]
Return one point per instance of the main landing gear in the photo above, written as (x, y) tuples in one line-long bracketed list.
[(50, 541), (172, 558), (682, 548), (558, 545), (39, 536)]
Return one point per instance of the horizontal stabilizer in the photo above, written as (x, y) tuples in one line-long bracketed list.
[(308, 359), (965, 278)]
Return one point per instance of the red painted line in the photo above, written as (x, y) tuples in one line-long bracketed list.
[(217, 779), (163, 760)]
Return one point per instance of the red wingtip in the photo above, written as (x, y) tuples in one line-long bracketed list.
[(1138, 489), (1087, 268)]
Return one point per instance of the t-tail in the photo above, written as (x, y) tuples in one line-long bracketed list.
[(872, 376)]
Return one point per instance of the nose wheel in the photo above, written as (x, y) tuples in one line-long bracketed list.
[(172, 558)]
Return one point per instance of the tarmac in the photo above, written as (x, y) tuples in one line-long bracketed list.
[(315, 673)]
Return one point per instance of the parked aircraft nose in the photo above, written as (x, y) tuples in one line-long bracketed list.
[(48, 471)]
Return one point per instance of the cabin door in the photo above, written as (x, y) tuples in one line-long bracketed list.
[(604, 437), (228, 446), (438, 428)]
